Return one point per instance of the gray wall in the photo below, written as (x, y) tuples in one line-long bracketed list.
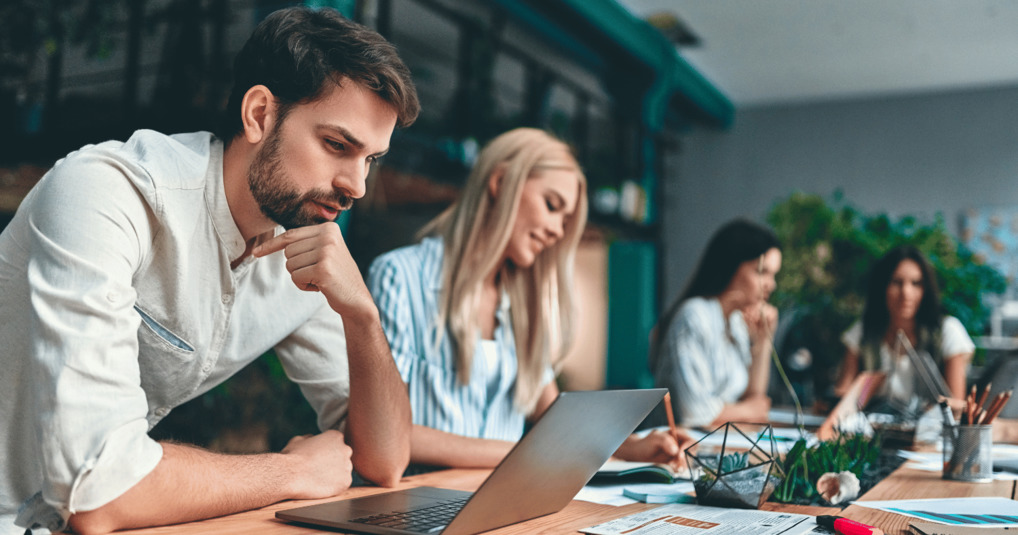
[(919, 155)]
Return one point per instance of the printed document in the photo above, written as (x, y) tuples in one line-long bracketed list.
[(689, 519)]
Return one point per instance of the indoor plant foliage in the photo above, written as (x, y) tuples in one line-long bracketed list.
[(804, 465), (828, 249)]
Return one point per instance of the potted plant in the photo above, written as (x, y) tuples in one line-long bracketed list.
[(856, 454), (734, 476)]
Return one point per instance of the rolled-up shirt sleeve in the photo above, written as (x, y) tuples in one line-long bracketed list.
[(314, 357), (90, 409)]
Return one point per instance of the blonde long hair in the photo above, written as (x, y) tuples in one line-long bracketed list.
[(476, 231)]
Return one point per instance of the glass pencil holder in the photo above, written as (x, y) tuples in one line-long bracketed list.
[(968, 453)]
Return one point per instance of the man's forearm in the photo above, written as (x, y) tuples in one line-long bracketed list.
[(192, 484), (378, 423)]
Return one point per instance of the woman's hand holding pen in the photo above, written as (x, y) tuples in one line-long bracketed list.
[(659, 446)]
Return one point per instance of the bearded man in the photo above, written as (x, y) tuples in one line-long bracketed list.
[(138, 275)]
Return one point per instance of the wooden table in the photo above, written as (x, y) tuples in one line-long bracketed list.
[(903, 483)]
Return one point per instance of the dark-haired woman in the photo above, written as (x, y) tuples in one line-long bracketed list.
[(711, 348), (902, 295)]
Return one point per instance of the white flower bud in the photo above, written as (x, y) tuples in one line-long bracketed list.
[(838, 487)]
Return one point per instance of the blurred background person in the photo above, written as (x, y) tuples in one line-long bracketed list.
[(711, 348), (902, 295)]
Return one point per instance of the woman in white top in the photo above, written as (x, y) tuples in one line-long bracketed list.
[(712, 346), (902, 296)]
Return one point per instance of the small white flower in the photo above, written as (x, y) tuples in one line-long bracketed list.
[(838, 487)]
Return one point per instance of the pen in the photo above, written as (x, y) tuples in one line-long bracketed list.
[(945, 409), (844, 526), (671, 417)]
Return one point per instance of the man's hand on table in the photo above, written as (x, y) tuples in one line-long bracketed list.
[(322, 463)]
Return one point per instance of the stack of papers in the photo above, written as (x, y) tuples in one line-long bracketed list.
[(623, 483)]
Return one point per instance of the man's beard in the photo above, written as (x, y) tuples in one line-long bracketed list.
[(277, 198)]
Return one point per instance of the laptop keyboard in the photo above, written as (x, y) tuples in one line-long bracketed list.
[(429, 519)]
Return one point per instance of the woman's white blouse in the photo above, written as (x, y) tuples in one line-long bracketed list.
[(704, 361), (900, 382)]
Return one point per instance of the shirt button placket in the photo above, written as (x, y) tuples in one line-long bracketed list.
[(227, 300)]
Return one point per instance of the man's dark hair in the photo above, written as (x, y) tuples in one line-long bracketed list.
[(296, 52)]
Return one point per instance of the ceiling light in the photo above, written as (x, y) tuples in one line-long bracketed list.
[(674, 29)]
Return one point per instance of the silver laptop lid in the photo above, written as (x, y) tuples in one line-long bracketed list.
[(559, 455)]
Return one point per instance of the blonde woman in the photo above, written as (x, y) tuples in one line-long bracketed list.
[(480, 312)]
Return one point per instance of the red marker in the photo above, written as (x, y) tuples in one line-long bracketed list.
[(844, 526)]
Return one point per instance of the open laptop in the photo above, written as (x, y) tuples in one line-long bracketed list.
[(541, 474)]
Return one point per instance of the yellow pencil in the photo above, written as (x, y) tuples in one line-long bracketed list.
[(671, 417)]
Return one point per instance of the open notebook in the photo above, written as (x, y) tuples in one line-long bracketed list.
[(630, 471)]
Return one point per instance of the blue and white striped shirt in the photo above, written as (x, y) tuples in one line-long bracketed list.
[(407, 285)]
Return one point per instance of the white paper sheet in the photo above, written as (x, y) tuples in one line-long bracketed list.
[(612, 494), (687, 519)]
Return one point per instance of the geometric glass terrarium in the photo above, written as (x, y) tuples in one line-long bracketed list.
[(735, 476)]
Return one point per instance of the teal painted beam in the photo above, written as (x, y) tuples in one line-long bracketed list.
[(346, 7), (673, 74), (552, 31)]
